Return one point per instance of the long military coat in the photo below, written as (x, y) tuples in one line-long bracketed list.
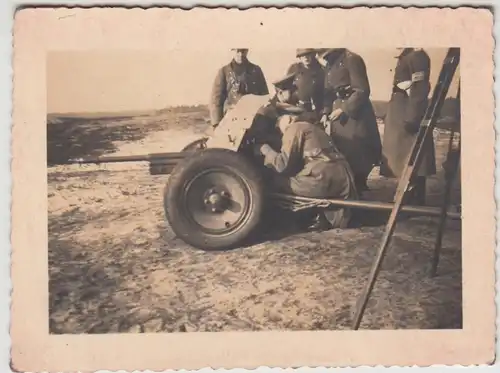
[(405, 110), (356, 132), (310, 165), (231, 83), (309, 83)]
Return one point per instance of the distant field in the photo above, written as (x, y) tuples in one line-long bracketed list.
[(380, 108), (124, 114)]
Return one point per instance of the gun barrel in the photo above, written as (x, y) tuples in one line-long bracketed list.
[(154, 157)]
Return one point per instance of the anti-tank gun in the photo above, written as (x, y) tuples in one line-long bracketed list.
[(214, 197), (216, 194)]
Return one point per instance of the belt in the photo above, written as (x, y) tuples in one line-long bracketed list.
[(344, 92), (344, 95), (307, 105), (327, 157)]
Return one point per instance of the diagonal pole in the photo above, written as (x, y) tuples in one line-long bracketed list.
[(450, 176), (426, 129), (450, 173)]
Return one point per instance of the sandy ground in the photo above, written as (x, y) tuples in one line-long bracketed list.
[(115, 265)]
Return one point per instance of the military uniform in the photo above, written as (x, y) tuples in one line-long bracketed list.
[(310, 165), (279, 106), (309, 83), (231, 83), (406, 109), (355, 132), (267, 116)]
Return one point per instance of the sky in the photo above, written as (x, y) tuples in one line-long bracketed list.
[(136, 80)]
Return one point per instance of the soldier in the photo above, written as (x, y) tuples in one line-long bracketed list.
[(310, 165), (286, 100), (348, 114), (283, 102), (234, 80), (285, 90), (406, 109), (309, 81)]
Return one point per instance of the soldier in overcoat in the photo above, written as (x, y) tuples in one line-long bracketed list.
[(234, 80), (309, 82), (348, 113), (310, 165), (406, 109)]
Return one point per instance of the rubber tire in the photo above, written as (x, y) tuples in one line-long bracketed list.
[(202, 160)]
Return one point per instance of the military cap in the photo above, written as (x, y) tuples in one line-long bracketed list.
[(304, 51), (239, 49), (285, 83)]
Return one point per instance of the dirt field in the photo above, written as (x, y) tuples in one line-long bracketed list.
[(115, 266)]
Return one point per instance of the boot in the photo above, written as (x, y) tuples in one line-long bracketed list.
[(360, 183), (419, 191), (319, 223), (415, 196)]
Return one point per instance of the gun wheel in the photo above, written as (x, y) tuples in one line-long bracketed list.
[(214, 199)]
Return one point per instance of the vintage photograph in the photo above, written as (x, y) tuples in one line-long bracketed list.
[(210, 204), (220, 188)]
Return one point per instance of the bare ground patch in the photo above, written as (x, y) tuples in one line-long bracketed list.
[(115, 265)]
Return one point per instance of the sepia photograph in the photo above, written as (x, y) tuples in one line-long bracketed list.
[(210, 205), (226, 192)]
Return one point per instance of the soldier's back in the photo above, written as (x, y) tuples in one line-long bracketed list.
[(311, 136)]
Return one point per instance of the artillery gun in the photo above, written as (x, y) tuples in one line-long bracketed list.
[(216, 195)]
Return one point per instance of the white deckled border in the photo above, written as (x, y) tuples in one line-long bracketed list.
[(40, 30)]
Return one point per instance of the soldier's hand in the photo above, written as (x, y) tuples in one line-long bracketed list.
[(325, 123), (335, 114), (256, 150)]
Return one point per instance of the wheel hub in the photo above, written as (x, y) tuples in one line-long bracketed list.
[(217, 201)]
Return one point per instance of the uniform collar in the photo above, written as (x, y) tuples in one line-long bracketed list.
[(239, 67), (313, 65)]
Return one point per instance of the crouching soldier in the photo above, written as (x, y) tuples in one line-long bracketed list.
[(238, 78), (310, 165), (348, 112), (284, 101)]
